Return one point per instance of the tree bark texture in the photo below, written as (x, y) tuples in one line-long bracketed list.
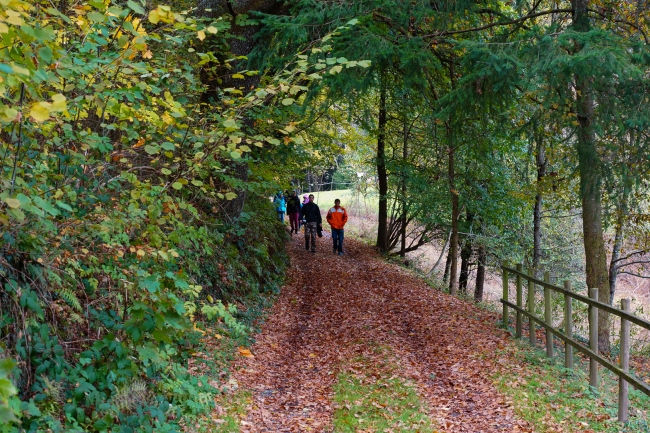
[(382, 174), (455, 211), (453, 243), (621, 214), (445, 277), (480, 274), (465, 255), (241, 45), (537, 212), (589, 165), (405, 154)]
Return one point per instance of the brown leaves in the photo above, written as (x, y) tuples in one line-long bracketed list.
[(245, 352), (337, 309)]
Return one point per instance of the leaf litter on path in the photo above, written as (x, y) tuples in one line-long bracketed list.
[(334, 310)]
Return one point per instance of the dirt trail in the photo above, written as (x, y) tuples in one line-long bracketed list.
[(334, 309)]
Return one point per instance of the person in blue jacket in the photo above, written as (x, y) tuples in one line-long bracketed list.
[(280, 205)]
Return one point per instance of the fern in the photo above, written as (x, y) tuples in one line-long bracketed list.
[(76, 318), (54, 389), (131, 396), (69, 296)]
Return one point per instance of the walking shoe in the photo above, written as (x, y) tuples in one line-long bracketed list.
[(340, 253), (334, 250)]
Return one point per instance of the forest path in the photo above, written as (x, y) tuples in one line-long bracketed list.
[(330, 318)]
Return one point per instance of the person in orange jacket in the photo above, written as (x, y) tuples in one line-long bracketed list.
[(337, 217)]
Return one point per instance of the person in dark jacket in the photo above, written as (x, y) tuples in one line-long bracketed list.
[(310, 214), (305, 200), (293, 209)]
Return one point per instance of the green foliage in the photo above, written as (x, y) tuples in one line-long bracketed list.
[(114, 181), (8, 412)]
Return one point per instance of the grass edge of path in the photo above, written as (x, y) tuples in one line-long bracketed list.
[(372, 395)]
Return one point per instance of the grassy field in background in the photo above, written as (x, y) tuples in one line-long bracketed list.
[(362, 211), (353, 202)]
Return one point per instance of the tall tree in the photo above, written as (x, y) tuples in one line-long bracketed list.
[(382, 175), (541, 163)]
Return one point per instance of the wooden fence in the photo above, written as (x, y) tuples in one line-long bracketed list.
[(622, 371)]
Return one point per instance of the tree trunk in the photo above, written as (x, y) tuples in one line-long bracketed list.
[(241, 44), (480, 274), (453, 250), (537, 212), (465, 255), (590, 181), (442, 253), (382, 223), (445, 277), (402, 252), (621, 213)]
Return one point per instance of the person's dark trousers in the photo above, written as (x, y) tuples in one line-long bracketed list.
[(293, 220), (310, 233), (337, 238)]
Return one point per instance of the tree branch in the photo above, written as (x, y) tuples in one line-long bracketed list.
[(640, 252), (636, 275), (634, 26), (636, 262), (504, 23)]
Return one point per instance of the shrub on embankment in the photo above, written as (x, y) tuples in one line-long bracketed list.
[(117, 236), (100, 313)]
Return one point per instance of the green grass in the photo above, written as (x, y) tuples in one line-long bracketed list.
[(362, 212), (553, 398), (354, 203), (372, 397), (235, 406)]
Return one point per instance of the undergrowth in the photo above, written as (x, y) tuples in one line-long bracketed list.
[(143, 364), (555, 399)]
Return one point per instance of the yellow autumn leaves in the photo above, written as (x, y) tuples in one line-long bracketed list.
[(40, 111), (165, 14), (162, 13), (12, 12)]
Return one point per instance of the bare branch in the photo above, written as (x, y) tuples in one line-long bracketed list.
[(627, 23), (504, 23), (635, 253), (647, 277), (637, 262)]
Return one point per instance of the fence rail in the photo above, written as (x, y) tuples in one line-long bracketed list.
[(595, 358)]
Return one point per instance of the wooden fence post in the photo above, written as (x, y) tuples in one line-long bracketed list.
[(531, 310), (568, 324), (548, 316), (625, 363), (505, 295), (593, 338), (520, 300)]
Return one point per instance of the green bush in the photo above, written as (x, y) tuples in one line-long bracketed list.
[(111, 242), (120, 222)]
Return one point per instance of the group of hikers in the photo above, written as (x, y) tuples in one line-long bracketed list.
[(307, 214)]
